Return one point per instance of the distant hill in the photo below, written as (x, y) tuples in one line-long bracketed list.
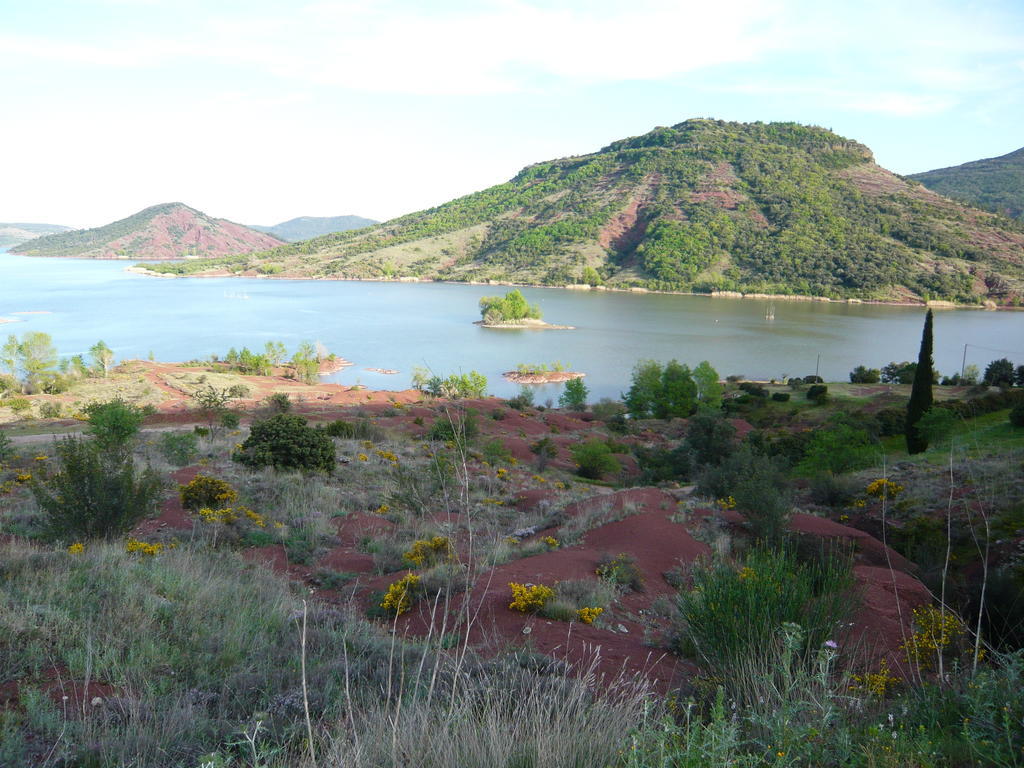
[(168, 231), (305, 227), (996, 184), (18, 232), (702, 206)]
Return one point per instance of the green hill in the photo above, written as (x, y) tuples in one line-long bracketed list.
[(12, 233), (703, 206), (167, 231), (996, 183), (305, 227)]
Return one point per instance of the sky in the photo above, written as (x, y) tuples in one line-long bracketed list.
[(259, 111)]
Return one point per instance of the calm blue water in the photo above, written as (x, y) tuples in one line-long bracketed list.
[(401, 325)]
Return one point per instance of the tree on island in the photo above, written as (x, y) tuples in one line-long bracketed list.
[(921, 392), (508, 308)]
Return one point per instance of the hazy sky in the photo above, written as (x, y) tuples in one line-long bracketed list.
[(259, 111)]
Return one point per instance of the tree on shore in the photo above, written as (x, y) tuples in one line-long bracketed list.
[(709, 388), (102, 355), (921, 392)]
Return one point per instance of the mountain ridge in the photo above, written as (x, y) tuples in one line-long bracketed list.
[(14, 232), (307, 227), (702, 206), (993, 183), (163, 231)]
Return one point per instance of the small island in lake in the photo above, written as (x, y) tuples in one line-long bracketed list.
[(541, 373), (513, 311)]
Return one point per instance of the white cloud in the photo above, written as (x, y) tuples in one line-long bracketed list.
[(500, 47)]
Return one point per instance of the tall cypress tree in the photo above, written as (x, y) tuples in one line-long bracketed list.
[(921, 393)]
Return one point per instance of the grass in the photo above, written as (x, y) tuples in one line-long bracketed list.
[(984, 435), (202, 652), (732, 612)]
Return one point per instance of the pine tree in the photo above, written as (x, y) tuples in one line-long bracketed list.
[(921, 392)]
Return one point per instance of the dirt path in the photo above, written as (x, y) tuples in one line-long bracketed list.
[(47, 437)]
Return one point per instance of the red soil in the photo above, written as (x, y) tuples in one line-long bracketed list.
[(185, 231)]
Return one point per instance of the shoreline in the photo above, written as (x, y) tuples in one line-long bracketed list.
[(931, 304), (541, 377), (525, 325)]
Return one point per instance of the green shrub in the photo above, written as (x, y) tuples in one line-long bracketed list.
[(891, 421), (864, 375), (179, 448), (50, 410), (780, 397), (495, 452), (230, 419), (278, 402), (451, 427), (722, 480), (363, 429), (523, 400), (754, 390), (661, 464), (286, 441), (834, 491), (95, 493), (818, 393), (18, 404), (730, 613), (621, 569), (574, 396), (7, 451), (114, 423), (594, 459), (710, 438), (1017, 415), (838, 448)]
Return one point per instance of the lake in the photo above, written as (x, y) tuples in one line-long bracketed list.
[(402, 325)]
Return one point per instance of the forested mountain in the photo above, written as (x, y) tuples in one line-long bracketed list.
[(305, 227), (168, 231), (704, 205), (12, 233), (996, 183)]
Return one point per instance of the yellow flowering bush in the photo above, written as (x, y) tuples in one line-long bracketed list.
[(224, 516), (935, 631), (529, 598), (727, 503), (551, 541), (23, 478), (430, 552), (587, 615), (207, 491), (77, 548), (399, 597), (387, 456), (363, 457), (134, 545), (884, 488), (876, 683)]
